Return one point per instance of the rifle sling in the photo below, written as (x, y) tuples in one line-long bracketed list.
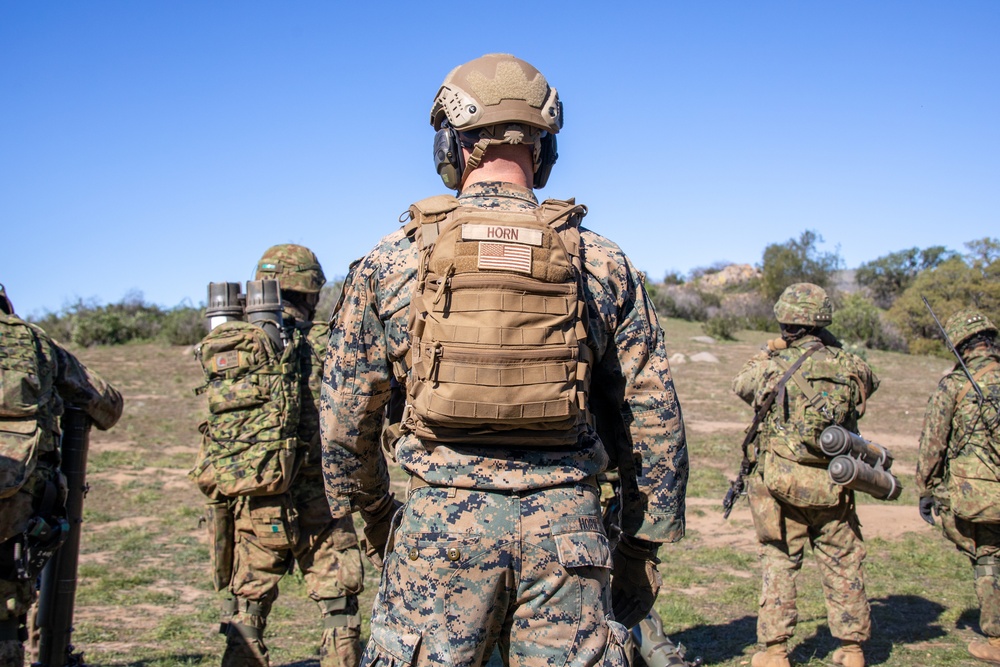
[(765, 407), (974, 379)]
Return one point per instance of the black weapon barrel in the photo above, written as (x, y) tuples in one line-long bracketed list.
[(857, 475), (57, 594), (837, 440)]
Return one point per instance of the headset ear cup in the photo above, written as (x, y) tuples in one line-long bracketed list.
[(448, 157), (548, 158)]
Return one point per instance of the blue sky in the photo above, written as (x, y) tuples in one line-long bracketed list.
[(157, 146)]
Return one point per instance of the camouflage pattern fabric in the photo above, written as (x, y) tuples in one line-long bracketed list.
[(295, 268), (539, 561), (835, 537), (794, 504), (74, 383), (804, 303), (249, 444), (273, 532), (954, 433), (632, 396), (632, 391)]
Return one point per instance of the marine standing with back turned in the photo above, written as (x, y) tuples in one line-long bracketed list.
[(514, 331), (792, 500), (273, 532), (37, 379), (958, 469)]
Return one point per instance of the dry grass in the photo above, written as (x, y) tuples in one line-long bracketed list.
[(145, 597)]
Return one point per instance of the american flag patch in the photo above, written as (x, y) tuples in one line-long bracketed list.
[(505, 257)]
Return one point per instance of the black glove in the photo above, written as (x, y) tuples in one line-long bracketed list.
[(635, 581), (927, 509), (378, 527)]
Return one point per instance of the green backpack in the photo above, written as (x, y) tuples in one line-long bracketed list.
[(25, 391), (249, 444), (819, 394), (974, 469)]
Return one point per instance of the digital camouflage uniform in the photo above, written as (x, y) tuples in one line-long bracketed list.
[(325, 548), (502, 546), (958, 433), (794, 504), (64, 380)]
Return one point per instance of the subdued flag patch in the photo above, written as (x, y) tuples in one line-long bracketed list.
[(505, 257)]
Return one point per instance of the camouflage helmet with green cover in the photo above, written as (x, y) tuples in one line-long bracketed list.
[(295, 267), (804, 304), (966, 323)]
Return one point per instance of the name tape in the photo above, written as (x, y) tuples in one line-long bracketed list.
[(502, 233)]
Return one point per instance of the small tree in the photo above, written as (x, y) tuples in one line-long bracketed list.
[(796, 261)]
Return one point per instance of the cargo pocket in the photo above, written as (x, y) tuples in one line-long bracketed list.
[(614, 652), (274, 521), (581, 542), (393, 643)]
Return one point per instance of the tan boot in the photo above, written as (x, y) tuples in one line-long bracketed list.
[(775, 655), (987, 651), (849, 655)]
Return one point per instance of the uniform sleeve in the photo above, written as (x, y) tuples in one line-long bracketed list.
[(355, 388), (934, 438), (749, 378), (84, 388), (653, 457)]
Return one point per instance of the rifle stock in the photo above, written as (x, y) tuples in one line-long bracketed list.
[(57, 592)]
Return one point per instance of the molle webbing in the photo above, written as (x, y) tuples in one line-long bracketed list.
[(497, 325)]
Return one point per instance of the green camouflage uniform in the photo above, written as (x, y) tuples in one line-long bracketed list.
[(799, 505), (503, 546), (953, 431), (74, 383), (325, 548)]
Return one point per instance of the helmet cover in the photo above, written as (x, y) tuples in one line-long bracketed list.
[(804, 304), (966, 323), (295, 267)]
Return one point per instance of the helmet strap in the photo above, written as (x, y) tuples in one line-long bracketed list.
[(512, 134)]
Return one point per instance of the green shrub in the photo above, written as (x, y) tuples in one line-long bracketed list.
[(184, 325), (858, 320), (722, 327)]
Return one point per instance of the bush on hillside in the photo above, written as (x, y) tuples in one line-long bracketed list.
[(960, 282), (858, 320), (723, 327), (887, 277), (796, 261)]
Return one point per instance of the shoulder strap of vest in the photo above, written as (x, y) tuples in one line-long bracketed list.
[(793, 373), (552, 211), (426, 214)]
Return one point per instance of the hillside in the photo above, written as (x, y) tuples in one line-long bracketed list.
[(145, 597)]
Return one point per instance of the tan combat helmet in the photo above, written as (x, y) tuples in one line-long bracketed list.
[(804, 304), (965, 324), (494, 99), (295, 268)]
